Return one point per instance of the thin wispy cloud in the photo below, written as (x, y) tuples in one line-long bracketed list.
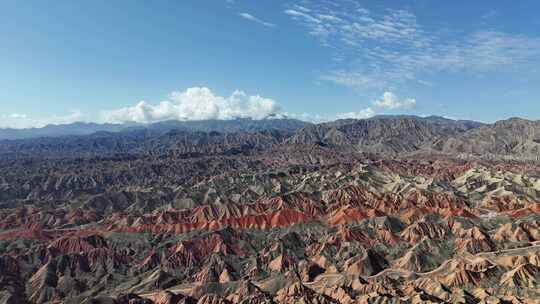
[(362, 114), (22, 120), (256, 20), (302, 15), (18, 116), (384, 48), (490, 14)]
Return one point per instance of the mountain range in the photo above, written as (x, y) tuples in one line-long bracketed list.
[(82, 128), (391, 209), (515, 137)]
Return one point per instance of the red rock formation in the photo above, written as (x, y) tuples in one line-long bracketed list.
[(187, 253), (76, 244), (348, 214)]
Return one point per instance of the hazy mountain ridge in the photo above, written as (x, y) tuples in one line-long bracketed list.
[(77, 128), (83, 128), (514, 137)]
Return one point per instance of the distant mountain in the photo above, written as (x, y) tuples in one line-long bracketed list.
[(459, 124), (518, 138), (77, 128), (176, 137), (383, 133), (142, 142), (514, 136), (225, 126), (229, 126)]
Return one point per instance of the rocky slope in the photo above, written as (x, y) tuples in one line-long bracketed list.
[(513, 137), (383, 133), (252, 217)]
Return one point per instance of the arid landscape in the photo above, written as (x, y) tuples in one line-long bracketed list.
[(391, 209), (269, 152)]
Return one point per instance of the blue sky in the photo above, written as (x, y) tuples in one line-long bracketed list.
[(114, 61)]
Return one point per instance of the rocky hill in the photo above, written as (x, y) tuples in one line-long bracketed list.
[(515, 136), (158, 128), (367, 211), (392, 134)]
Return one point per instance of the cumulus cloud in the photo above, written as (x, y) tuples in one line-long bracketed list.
[(22, 121), (256, 20), (196, 103), (390, 101)]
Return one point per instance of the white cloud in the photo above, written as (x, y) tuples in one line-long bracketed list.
[(319, 118), (356, 79), (385, 47), (362, 114), (302, 8), (390, 101), (73, 116), (315, 118), (22, 121), (196, 104), (18, 116), (302, 14), (387, 101), (256, 20)]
